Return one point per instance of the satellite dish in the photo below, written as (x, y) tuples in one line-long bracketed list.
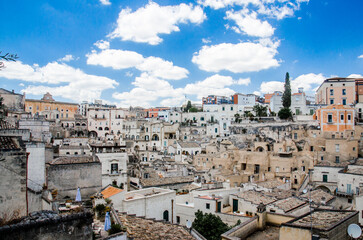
[(354, 230), (305, 191), (189, 224)]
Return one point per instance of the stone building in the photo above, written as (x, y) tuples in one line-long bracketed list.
[(13, 172), (50, 108), (324, 224), (66, 174), (14, 102)]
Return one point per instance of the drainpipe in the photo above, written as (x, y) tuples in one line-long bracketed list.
[(26, 185), (172, 211)]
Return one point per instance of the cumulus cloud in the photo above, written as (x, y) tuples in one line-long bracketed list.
[(102, 44), (361, 56), (66, 58), (149, 89), (248, 23), (355, 76), (120, 59), (271, 86), (146, 23), (278, 9), (78, 86), (105, 2), (237, 58), (309, 82)]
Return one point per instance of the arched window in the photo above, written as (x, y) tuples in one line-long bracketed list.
[(100, 128), (155, 137)]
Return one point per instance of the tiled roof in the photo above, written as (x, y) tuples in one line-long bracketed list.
[(110, 191), (256, 197), (317, 196), (288, 203), (322, 219), (8, 143), (74, 160), (143, 229), (189, 144), (146, 182), (270, 184)]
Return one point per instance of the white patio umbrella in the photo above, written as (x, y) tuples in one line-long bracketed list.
[(107, 222), (78, 196)]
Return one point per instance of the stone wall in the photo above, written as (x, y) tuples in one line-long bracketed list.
[(51, 226), (66, 178), (12, 184), (243, 230), (232, 219)]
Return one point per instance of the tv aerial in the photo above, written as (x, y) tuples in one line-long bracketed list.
[(354, 230)]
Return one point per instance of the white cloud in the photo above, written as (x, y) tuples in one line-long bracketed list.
[(149, 89), (66, 58), (355, 76), (146, 23), (102, 44), (257, 93), (278, 9), (129, 74), (271, 86), (21, 84), (206, 40), (308, 81), (105, 2), (161, 68), (78, 86), (119, 59), (237, 58), (361, 56), (248, 23)]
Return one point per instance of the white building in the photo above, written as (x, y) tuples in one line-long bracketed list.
[(153, 202), (36, 165)]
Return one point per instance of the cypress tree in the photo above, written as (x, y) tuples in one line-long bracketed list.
[(286, 97)]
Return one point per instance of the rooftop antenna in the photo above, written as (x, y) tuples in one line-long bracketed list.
[(354, 231), (311, 215)]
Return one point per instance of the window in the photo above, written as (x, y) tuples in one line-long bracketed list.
[(331, 92), (177, 219), (322, 158), (349, 117), (295, 136), (332, 101), (216, 130), (277, 169), (222, 108), (243, 166), (303, 168), (337, 160), (342, 117), (325, 178), (114, 168), (344, 101), (330, 118), (231, 108), (336, 147), (207, 206), (344, 92)]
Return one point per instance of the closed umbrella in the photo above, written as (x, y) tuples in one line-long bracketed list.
[(78, 196), (107, 221)]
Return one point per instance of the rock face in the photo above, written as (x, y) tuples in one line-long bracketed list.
[(50, 225)]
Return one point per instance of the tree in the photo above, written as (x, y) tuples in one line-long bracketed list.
[(237, 118), (189, 106), (261, 111), (209, 225), (286, 97), (7, 57), (285, 113)]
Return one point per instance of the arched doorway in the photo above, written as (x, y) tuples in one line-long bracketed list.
[(166, 215)]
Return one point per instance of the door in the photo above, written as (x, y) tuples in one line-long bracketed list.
[(349, 188), (235, 205), (325, 178), (166, 215), (219, 206)]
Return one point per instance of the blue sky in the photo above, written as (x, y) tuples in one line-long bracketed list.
[(159, 53)]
